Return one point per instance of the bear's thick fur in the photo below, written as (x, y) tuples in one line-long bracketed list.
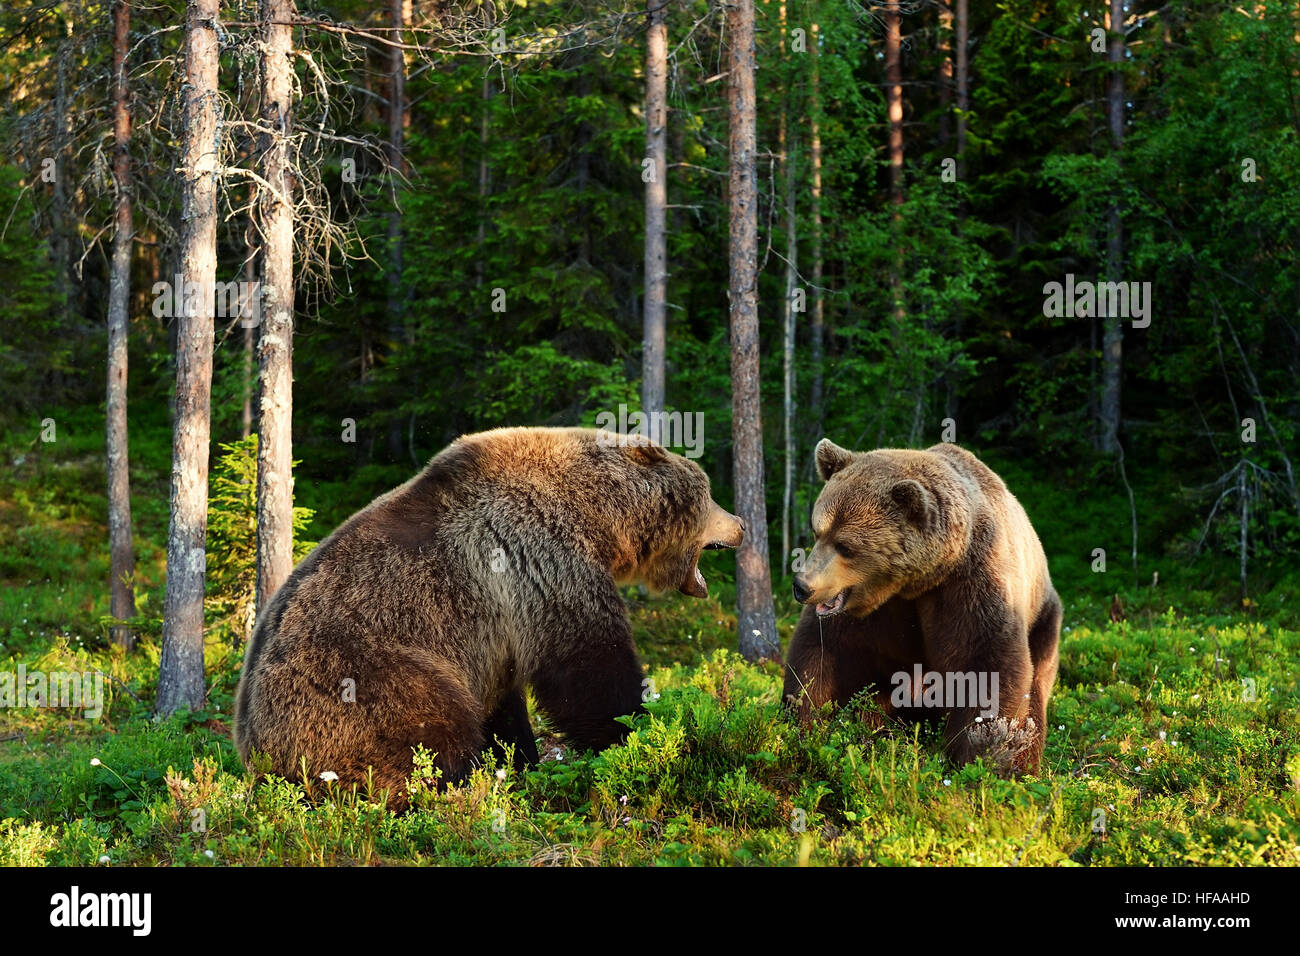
[(424, 617), (925, 562)]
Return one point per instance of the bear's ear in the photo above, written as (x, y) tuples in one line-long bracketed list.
[(831, 458), (917, 503), (643, 451)]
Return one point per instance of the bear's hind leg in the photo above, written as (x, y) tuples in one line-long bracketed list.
[(420, 702)]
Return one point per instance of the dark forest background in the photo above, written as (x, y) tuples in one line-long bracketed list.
[(522, 172)]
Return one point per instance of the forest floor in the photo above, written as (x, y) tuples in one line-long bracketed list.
[(1174, 738)]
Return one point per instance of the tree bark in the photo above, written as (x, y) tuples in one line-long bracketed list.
[(757, 619), (398, 119), (894, 98), (275, 347), (180, 669), (484, 173), (1112, 345), (656, 210), (249, 344), (121, 554), (818, 326), (787, 140), (943, 81), (963, 83)]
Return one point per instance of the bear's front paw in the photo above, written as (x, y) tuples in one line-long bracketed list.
[(1004, 742)]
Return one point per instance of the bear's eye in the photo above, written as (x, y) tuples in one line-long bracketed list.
[(843, 550)]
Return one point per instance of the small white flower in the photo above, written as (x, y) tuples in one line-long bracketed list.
[(209, 854), (623, 799), (947, 783), (1163, 735), (104, 858), (979, 720), (1061, 727), (1196, 697), (94, 761), (1175, 743), (501, 774), (328, 775)]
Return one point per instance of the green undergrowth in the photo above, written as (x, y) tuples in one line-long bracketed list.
[(1157, 755), (1172, 736)]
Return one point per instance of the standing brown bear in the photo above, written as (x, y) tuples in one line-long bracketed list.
[(426, 615), (928, 583)]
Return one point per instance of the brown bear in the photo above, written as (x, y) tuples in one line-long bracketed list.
[(424, 617), (927, 583)]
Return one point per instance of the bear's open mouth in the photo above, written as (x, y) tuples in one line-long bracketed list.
[(693, 583), (834, 605)]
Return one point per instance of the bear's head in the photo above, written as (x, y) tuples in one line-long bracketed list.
[(665, 515), (889, 522)]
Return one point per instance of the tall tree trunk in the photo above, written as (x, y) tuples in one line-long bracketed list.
[(894, 98), (946, 88), (61, 231), (249, 343), (943, 82), (180, 669), (484, 173), (963, 83), (818, 326), (398, 120), (656, 209), (275, 347), (121, 555), (1112, 345), (787, 139), (757, 619)]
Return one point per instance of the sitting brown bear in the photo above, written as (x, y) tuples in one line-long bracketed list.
[(426, 615), (928, 583)]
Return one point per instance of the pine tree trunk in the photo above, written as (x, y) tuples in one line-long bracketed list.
[(249, 344), (275, 347), (1112, 345), (484, 174), (943, 82), (894, 98), (757, 619), (397, 122), (963, 83), (818, 326), (180, 669), (787, 139), (656, 210), (121, 555)]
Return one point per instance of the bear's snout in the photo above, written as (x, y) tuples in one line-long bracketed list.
[(801, 590)]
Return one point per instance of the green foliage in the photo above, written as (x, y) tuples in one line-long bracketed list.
[(1151, 724), (231, 590)]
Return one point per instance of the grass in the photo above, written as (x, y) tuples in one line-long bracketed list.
[(1152, 733)]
